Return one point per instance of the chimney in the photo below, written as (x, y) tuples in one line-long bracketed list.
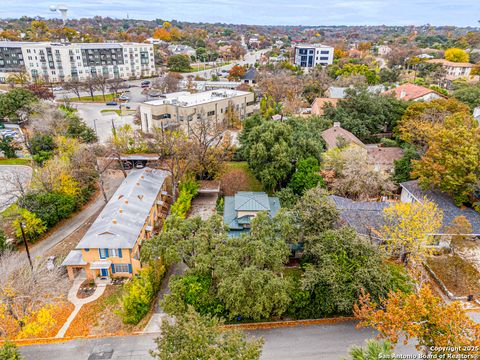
[(114, 221), (403, 93), (336, 124)]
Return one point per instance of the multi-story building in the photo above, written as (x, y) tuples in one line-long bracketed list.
[(181, 109), (111, 247), (454, 70), (57, 62), (311, 55)]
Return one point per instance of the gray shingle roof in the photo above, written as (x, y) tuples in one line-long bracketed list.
[(363, 216), (444, 202), (251, 74), (121, 221)]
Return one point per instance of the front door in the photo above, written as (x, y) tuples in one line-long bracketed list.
[(104, 272)]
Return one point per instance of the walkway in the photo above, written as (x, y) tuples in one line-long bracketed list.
[(72, 297), (155, 323)]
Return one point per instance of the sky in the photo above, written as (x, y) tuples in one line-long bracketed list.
[(265, 12)]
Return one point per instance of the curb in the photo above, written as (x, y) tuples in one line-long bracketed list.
[(288, 323)]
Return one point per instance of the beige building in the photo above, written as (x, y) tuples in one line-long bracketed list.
[(180, 109), (111, 247), (455, 70)]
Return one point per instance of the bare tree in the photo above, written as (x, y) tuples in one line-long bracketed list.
[(101, 84), (115, 85), (210, 147), (74, 86), (90, 86), (168, 83), (24, 289), (174, 149)]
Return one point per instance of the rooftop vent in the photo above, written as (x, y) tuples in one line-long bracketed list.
[(140, 197)]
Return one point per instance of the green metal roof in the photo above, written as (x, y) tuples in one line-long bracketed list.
[(251, 201)]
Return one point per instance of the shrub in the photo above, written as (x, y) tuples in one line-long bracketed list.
[(195, 291), (50, 207), (388, 142), (187, 191), (9, 351), (140, 292)]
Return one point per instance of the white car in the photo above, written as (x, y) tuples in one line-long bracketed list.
[(57, 88)]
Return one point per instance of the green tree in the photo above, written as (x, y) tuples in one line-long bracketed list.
[(456, 55), (365, 114), (9, 351), (403, 166), (469, 94), (41, 147), (179, 63), (306, 176), (7, 147), (50, 207), (359, 69), (14, 102), (193, 336), (341, 265)]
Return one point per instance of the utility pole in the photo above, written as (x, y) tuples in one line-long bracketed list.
[(26, 244)]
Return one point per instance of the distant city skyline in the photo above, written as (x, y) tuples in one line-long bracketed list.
[(265, 12)]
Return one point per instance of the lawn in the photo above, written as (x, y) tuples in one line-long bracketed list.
[(459, 276), (238, 177), (16, 161), (96, 98), (118, 112)]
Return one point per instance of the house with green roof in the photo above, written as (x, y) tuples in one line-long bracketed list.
[(239, 210)]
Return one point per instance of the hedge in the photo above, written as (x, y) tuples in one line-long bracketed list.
[(187, 191)]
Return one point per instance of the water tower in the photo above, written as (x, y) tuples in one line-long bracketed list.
[(62, 9)]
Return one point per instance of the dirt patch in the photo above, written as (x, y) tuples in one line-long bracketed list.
[(203, 205), (101, 317), (86, 289), (459, 275)]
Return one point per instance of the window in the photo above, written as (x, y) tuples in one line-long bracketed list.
[(211, 113), (323, 57), (122, 268), (103, 253), (324, 52)]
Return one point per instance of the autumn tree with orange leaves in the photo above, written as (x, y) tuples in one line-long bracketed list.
[(423, 317)]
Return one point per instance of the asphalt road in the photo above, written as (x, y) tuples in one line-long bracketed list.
[(326, 342)]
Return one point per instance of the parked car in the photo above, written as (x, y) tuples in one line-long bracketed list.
[(124, 97), (57, 88), (154, 94), (112, 103), (145, 82)]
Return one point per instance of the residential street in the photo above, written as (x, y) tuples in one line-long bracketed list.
[(325, 342)]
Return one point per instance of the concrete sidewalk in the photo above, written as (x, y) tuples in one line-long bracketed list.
[(72, 297), (155, 323)]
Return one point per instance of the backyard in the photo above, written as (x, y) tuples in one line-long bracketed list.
[(238, 177)]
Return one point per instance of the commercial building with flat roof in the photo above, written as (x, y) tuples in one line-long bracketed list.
[(311, 55), (57, 62), (182, 109)]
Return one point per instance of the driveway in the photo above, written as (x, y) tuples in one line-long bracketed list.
[(325, 342), (13, 178)]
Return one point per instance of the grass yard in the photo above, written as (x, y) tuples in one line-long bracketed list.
[(238, 177), (118, 112), (459, 276), (96, 98), (16, 161)]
